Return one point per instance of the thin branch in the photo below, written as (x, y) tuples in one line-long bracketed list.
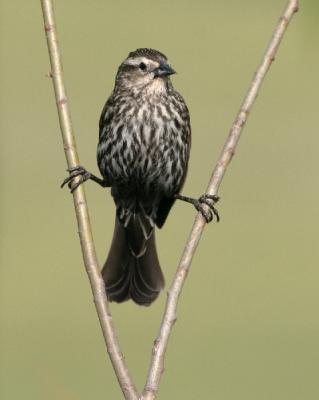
[(160, 344), (81, 210)]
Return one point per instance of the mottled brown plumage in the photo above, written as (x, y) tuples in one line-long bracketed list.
[(142, 154)]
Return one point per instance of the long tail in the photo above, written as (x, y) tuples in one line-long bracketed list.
[(132, 270)]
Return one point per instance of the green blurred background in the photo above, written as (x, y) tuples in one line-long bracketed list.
[(248, 325)]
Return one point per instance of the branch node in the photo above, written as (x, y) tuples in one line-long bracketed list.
[(62, 101), (155, 346), (48, 28), (68, 147), (173, 321), (284, 19)]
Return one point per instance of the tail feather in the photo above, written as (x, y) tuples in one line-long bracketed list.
[(132, 270)]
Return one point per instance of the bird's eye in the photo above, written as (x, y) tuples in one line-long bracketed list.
[(142, 66)]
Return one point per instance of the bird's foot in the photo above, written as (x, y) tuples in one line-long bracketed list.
[(210, 201), (201, 202), (76, 172)]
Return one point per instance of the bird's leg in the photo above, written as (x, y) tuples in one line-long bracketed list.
[(83, 175), (207, 199)]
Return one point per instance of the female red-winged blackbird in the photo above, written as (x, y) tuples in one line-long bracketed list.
[(143, 152)]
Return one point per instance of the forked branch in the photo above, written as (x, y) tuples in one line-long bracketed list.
[(157, 361), (84, 227)]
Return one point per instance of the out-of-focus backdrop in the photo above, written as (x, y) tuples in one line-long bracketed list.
[(248, 325)]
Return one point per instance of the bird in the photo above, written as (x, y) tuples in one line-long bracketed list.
[(142, 154)]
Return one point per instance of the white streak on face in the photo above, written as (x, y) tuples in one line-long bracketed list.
[(138, 79), (136, 61)]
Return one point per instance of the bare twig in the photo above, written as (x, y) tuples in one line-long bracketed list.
[(81, 209), (160, 344)]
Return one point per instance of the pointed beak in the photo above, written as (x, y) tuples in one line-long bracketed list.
[(163, 70)]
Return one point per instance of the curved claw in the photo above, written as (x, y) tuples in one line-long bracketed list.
[(75, 172), (215, 212), (83, 178), (205, 200), (209, 200), (205, 197), (208, 215)]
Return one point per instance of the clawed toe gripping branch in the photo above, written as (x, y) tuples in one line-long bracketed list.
[(209, 200), (79, 175), (83, 175)]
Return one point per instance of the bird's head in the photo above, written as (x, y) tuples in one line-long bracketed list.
[(144, 69)]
